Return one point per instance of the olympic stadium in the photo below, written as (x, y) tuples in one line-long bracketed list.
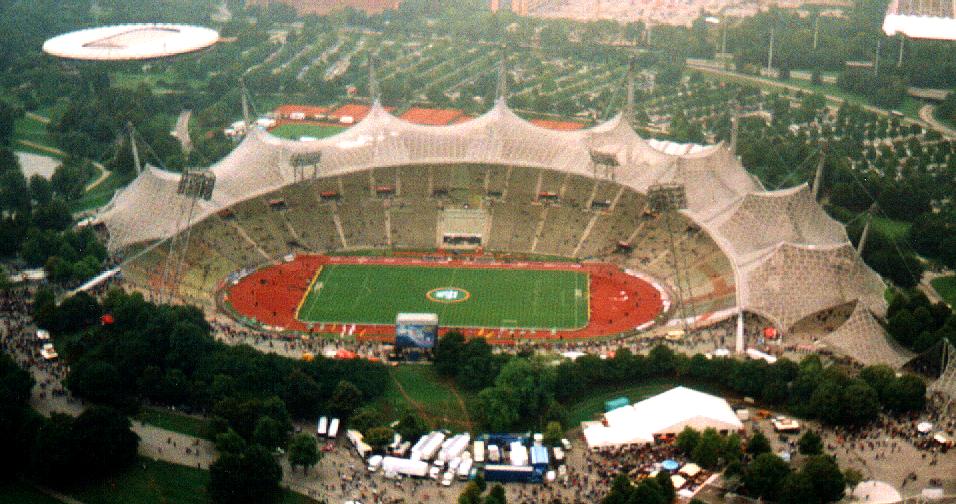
[(315, 236)]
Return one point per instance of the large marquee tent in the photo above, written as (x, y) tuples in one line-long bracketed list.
[(665, 414)]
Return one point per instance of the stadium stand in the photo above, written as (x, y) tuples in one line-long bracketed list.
[(414, 224), (775, 254)]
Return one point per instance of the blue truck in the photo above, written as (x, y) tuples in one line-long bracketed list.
[(510, 474)]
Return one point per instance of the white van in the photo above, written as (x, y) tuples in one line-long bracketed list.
[(374, 462)]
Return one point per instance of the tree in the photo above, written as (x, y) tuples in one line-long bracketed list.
[(365, 418), (448, 353), (411, 426), (621, 491), (707, 452), (906, 393), (379, 437), (687, 440), (104, 441), (758, 444), (250, 477), (852, 476), (648, 491), (303, 451), (270, 433), (230, 442), (732, 451), (827, 481), (497, 495), (471, 494), (668, 492), (345, 398), (810, 443), (553, 434), (765, 475)]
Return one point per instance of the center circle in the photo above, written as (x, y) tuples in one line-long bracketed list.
[(448, 295)]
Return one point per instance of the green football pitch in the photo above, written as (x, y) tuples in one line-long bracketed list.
[(462, 297), (293, 131)]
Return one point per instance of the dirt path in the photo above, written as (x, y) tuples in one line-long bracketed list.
[(41, 147), (401, 390), (38, 118), (461, 403), (104, 174), (927, 114)]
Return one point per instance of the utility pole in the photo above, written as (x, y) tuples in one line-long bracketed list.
[(816, 32), (723, 44), (132, 144), (876, 66), (899, 62), (866, 231), (818, 179), (770, 54), (245, 104)]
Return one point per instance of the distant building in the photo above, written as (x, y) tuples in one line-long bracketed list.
[(326, 6)]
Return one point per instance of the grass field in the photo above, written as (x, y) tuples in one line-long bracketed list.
[(593, 403), (373, 294), (22, 493), (418, 389), (294, 131), (946, 287), (148, 481), (176, 422)]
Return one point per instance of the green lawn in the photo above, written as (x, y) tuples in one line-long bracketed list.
[(151, 481), (22, 493), (100, 195), (31, 130), (428, 395), (374, 294), (176, 422), (294, 131), (592, 403), (946, 287), (895, 229)]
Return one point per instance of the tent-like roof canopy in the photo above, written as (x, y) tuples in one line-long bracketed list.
[(789, 258)]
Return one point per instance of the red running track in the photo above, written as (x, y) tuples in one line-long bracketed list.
[(271, 295)]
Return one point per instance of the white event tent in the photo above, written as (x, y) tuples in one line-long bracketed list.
[(664, 414)]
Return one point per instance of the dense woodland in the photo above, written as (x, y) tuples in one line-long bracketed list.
[(166, 355), (526, 392)]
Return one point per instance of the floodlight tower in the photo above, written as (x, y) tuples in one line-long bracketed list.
[(246, 117), (666, 200), (501, 91), (193, 185), (373, 89)]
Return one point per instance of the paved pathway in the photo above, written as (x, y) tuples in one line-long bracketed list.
[(927, 114)]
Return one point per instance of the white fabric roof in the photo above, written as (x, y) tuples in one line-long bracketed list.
[(927, 19), (666, 413), (130, 42), (770, 237), (876, 492)]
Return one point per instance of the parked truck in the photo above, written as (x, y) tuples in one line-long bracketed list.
[(508, 473), (393, 466)]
